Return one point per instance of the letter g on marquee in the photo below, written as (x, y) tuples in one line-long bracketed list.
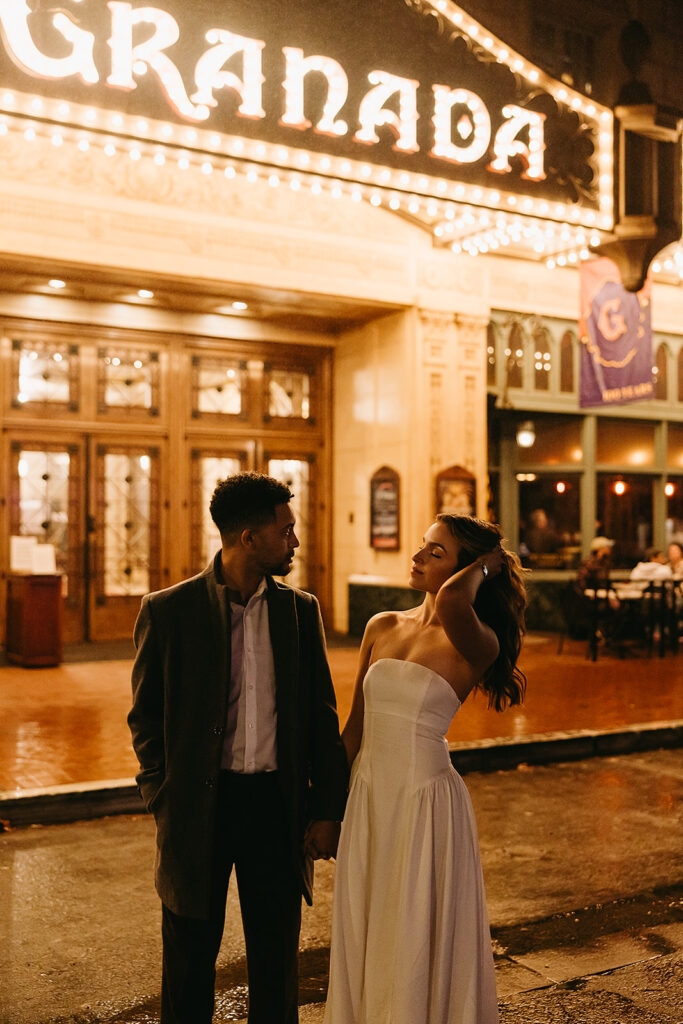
[(14, 15)]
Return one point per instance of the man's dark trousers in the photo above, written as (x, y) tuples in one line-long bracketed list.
[(251, 834)]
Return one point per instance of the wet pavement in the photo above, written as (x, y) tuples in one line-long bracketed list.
[(584, 883), (66, 726)]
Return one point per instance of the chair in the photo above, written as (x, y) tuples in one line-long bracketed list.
[(576, 616)]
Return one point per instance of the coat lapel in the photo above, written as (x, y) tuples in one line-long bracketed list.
[(284, 639), (219, 645)]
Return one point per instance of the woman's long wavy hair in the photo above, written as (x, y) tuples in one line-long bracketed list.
[(500, 603)]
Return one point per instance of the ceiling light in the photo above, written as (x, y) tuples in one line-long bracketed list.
[(144, 293), (240, 305), (56, 283)]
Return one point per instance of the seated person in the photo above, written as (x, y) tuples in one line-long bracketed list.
[(655, 567), (594, 571), (676, 558)]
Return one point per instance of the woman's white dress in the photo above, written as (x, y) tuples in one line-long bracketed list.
[(410, 932)]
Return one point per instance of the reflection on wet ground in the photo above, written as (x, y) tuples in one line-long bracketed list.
[(68, 724)]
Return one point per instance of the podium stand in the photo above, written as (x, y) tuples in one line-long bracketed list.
[(34, 618)]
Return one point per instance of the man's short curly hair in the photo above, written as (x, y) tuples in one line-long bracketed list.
[(246, 500)]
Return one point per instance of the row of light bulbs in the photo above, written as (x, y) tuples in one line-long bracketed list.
[(136, 134), (468, 229)]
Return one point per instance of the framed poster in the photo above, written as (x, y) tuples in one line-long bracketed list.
[(456, 491), (385, 509)]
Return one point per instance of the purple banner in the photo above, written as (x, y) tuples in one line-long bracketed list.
[(616, 338)]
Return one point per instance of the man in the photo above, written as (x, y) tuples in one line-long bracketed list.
[(235, 727), (654, 567)]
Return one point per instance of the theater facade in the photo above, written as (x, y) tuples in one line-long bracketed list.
[(333, 242)]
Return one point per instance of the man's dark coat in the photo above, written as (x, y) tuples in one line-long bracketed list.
[(180, 691)]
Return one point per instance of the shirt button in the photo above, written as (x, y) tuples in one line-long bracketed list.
[(217, 730), (210, 783)]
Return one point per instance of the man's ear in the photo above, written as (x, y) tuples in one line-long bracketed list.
[(247, 537)]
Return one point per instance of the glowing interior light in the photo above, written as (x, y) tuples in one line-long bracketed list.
[(373, 114), (56, 139), (8, 99), (126, 55), (145, 293), (619, 487), (110, 149), (669, 490), (57, 284), (135, 154), (183, 163), (14, 19), (207, 167), (296, 68), (145, 462), (477, 116), (159, 159), (210, 74), (30, 135), (241, 306)]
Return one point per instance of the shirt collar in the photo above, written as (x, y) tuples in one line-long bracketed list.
[(218, 577)]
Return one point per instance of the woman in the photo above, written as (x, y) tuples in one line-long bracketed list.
[(676, 558), (410, 935)]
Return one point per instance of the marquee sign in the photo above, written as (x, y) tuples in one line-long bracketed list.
[(374, 84)]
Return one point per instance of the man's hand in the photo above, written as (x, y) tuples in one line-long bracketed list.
[(321, 839)]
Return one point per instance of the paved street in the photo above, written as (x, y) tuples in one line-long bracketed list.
[(584, 882)]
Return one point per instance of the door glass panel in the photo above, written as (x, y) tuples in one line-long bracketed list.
[(289, 394), (127, 523), (296, 474), (44, 500), (212, 470)]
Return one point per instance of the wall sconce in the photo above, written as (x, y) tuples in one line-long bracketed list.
[(619, 487), (526, 434), (669, 490), (560, 487)]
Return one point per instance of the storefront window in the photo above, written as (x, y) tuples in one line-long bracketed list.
[(549, 520), (674, 509), (557, 440), (625, 442), (127, 379), (625, 514), (674, 454)]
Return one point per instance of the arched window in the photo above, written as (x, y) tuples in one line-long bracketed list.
[(567, 362), (659, 371), (491, 338), (542, 357), (514, 355)]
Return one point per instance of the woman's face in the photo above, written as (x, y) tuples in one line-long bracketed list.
[(675, 552), (435, 560)]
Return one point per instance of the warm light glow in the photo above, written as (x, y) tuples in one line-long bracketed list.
[(145, 293), (373, 114), (560, 487), (669, 490), (619, 487), (297, 67), (57, 284), (240, 306), (475, 125), (526, 434), (127, 57), (14, 17), (209, 75), (507, 144)]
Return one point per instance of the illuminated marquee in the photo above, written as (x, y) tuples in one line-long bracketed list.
[(130, 60)]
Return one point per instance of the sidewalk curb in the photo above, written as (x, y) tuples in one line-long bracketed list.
[(82, 801), (549, 748)]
